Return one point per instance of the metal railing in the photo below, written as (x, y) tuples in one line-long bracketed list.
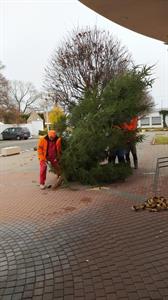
[(162, 162)]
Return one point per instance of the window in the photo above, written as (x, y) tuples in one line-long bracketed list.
[(13, 130), (156, 121), (18, 129), (25, 129), (145, 121)]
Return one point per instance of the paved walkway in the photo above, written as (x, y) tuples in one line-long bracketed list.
[(81, 243)]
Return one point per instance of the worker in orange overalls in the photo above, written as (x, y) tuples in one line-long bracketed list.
[(49, 150), (131, 144)]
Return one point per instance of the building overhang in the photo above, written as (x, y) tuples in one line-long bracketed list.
[(148, 17)]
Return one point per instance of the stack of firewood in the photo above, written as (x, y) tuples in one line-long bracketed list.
[(154, 204)]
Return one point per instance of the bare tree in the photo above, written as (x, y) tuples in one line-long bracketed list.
[(7, 110), (86, 60), (23, 95), (4, 101)]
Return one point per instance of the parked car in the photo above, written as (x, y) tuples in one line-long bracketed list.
[(15, 133)]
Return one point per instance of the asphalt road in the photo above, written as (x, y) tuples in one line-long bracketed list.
[(24, 144)]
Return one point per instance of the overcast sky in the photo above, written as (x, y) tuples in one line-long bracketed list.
[(31, 29)]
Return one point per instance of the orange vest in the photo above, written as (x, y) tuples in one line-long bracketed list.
[(43, 145), (132, 125)]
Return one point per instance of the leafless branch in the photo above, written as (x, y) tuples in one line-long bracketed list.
[(86, 60), (23, 95)]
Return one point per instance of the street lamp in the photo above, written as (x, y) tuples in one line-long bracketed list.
[(48, 96), (47, 117), (45, 97)]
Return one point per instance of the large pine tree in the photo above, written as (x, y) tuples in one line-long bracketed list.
[(96, 124)]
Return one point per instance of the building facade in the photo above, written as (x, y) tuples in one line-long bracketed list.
[(153, 120)]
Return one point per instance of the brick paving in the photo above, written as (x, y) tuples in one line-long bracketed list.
[(81, 243)]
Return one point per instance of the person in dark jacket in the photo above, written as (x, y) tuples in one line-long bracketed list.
[(131, 144)]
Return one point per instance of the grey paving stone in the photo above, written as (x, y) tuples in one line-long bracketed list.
[(102, 250)]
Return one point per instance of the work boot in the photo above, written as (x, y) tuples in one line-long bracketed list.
[(42, 186)]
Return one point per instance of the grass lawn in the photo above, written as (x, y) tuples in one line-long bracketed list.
[(161, 140)]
